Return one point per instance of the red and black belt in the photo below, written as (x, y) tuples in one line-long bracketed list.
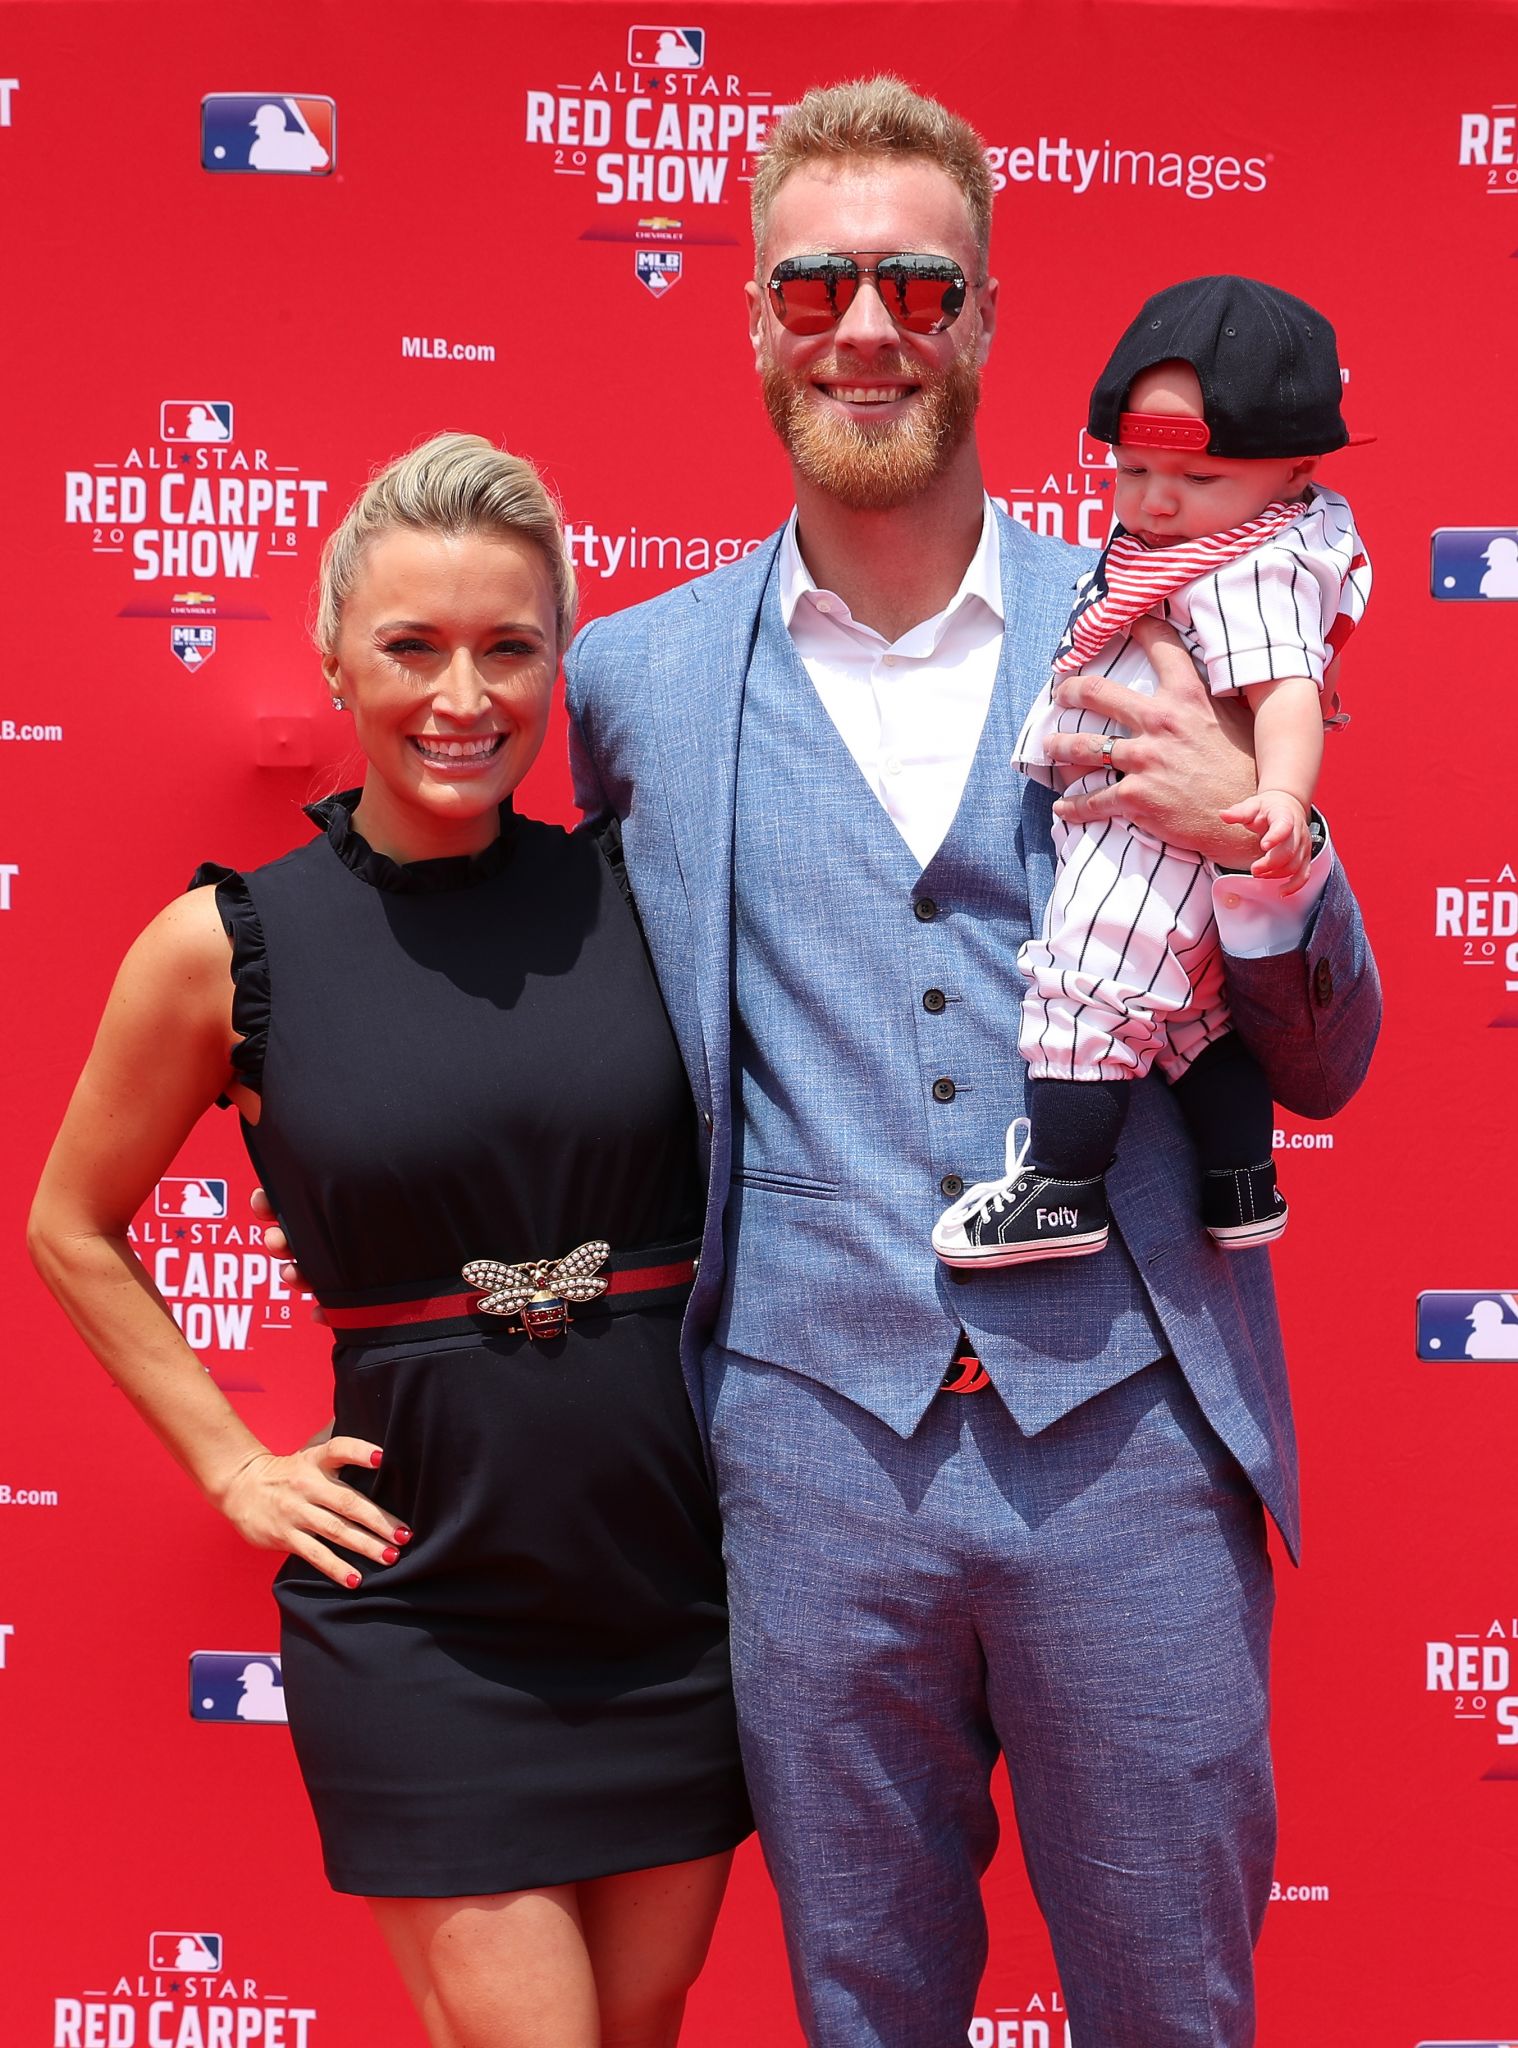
[(537, 1298)]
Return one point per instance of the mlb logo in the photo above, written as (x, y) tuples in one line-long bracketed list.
[(236, 1685), (195, 419), (659, 47), (1094, 454), (173, 1949), (190, 1197), (1474, 562), (658, 269), (193, 644), (268, 131), (1479, 1325)]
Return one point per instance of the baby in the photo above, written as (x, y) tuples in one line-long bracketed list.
[(1217, 401)]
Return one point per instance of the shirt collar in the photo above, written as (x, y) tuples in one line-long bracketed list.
[(982, 579)]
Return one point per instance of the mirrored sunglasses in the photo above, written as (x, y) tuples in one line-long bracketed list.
[(922, 294)]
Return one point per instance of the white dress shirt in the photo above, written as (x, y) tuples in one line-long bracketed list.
[(910, 712)]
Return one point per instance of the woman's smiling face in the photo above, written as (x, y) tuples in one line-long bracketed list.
[(446, 656)]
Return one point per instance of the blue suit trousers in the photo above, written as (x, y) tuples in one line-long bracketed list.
[(1094, 1602)]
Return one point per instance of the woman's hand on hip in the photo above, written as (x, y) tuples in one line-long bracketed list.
[(298, 1503)]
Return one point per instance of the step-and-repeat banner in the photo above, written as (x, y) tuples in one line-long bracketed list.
[(250, 253)]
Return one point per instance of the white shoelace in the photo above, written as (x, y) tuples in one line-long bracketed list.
[(989, 1197)]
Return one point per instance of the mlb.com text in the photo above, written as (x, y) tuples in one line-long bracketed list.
[(436, 349)]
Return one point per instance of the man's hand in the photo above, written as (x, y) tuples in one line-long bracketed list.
[(1187, 759), (1279, 820), (276, 1244)]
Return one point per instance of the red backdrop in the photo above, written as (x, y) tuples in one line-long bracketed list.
[(532, 223)]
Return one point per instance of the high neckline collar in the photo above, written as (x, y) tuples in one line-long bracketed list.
[(334, 814)]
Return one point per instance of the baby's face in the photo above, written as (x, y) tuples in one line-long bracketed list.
[(1165, 495)]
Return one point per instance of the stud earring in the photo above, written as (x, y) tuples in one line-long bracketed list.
[(338, 704)]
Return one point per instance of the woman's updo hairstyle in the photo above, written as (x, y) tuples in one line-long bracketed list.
[(452, 484)]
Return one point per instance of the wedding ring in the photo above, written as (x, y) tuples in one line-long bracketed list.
[(1109, 741)]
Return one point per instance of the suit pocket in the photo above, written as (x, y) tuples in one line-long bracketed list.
[(789, 1184)]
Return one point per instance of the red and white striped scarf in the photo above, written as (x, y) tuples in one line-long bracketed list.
[(1131, 579)]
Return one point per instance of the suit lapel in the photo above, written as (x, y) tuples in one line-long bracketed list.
[(699, 667), (1036, 605)]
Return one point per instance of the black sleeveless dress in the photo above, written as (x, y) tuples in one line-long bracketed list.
[(461, 1059)]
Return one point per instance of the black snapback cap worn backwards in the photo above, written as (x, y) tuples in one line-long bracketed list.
[(1267, 363)]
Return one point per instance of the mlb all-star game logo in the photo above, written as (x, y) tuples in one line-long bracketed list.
[(1470, 1674), (1037, 2022), (660, 129), (189, 1996), (1488, 148), (192, 497), (223, 1289), (1072, 501), (1476, 924)]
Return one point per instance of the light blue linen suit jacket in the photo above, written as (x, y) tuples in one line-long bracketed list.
[(655, 698)]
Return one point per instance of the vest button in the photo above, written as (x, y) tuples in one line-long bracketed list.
[(943, 1089), (925, 909), (933, 1001), (952, 1186)]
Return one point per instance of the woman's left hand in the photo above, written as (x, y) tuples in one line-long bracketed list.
[(299, 1504)]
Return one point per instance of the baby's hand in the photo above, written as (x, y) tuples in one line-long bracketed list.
[(1279, 821)]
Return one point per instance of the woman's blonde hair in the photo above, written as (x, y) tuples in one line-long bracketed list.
[(867, 117), (452, 484)]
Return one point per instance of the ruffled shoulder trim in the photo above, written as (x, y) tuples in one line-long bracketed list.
[(250, 972), (607, 833)]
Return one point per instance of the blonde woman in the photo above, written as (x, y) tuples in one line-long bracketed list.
[(504, 1624)]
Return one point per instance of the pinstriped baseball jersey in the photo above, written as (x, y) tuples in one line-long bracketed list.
[(1127, 968), (1285, 608), (1132, 578)]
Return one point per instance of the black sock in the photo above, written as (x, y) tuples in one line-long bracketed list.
[(1225, 1100), (1075, 1126)]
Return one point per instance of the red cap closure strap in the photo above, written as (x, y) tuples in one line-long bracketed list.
[(1161, 430)]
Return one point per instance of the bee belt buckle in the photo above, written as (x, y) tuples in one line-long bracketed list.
[(535, 1295)]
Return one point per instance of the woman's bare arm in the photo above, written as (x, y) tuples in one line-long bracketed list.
[(160, 1059)]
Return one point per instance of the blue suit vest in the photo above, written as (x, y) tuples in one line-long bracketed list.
[(875, 1059)]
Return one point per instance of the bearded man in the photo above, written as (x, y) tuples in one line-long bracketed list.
[(1019, 1511)]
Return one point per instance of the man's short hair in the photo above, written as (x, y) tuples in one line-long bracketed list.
[(880, 117)]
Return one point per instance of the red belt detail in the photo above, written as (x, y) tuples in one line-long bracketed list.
[(379, 1314), (436, 1308), (637, 1279)]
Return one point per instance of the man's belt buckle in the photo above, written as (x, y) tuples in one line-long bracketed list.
[(539, 1291), (966, 1375)]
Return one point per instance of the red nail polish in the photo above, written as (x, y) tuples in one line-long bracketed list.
[(403, 1535), (390, 1553), (353, 1578), (375, 1457)]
